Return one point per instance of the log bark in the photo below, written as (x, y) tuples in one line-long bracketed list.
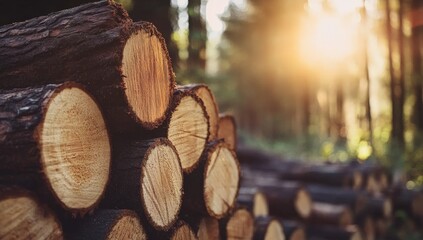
[(107, 224), (124, 64), (293, 230), (409, 201), (187, 127), (147, 177), (379, 207), (329, 232), (54, 139), (355, 200), (238, 225), (227, 130), (254, 201), (205, 94), (268, 228), (24, 217), (331, 214), (211, 189)]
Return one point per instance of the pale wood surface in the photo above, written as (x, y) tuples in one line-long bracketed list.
[(274, 231), (127, 227), (208, 229), (240, 225), (183, 232), (209, 101), (227, 130)]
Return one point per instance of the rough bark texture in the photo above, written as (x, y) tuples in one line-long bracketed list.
[(22, 113), (83, 44), (125, 187), (101, 225)]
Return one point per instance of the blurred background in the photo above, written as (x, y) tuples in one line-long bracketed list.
[(314, 80)]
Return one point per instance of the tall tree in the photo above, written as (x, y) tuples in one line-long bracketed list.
[(197, 36), (417, 71)]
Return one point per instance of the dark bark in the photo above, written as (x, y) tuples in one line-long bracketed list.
[(293, 230), (328, 232), (247, 198), (409, 201), (197, 36), (417, 79), (83, 44), (330, 214)]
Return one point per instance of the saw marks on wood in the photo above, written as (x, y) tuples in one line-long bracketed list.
[(22, 218), (147, 83), (221, 181), (183, 232), (127, 227), (162, 185), (274, 231), (207, 97), (240, 226), (75, 148), (303, 203), (188, 131)]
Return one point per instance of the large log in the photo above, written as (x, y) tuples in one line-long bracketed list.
[(107, 224), (331, 214), (238, 225), (147, 177), (53, 138), (227, 130), (125, 65), (254, 201), (211, 189), (205, 94), (187, 128), (22, 216), (268, 228)]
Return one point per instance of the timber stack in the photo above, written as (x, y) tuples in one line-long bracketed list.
[(97, 141)]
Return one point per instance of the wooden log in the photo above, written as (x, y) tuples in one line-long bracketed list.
[(54, 138), (331, 214), (330, 232), (409, 201), (379, 207), (354, 199), (284, 199), (268, 228), (147, 177), (22, 216), (107, 224), (182, 231), (205, 94), (366, 226), (187, 128), (125, 65), (254, 201), (208, 229), (293, 230), (227, 130), (238, 225), (211, 189)]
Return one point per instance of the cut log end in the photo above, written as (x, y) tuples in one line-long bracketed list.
[(161, 184), (208, 229), (188, 130), (303, 203), (227, 130), (127, 227), (260, 205), (387, 208), (23, 218), (75, 148), (149, 79), (274, 231), (207, 97), (221, 182), (240, 225), (298, 234), (183, 232)]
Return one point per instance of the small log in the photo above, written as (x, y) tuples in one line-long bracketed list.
[(211, 189), (227, 130), (54, 139), (355, 200), (147, 177), (188, 128), (205, 94), (182, 231), (23, 217), (330, 232), (285, 199), (238, 225), (125, 65), (331, 214), (267, 228), (107, 224), (254, 201), (293, 230)]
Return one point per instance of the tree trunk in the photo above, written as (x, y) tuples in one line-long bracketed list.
[(367, 75), (238, 225), (53, 138), (227, 130), (124, 65), (147, 177), (267, 228), (211, 189), (197, 36), (23, 217), (108, 224), (417, 79), (205, 94)]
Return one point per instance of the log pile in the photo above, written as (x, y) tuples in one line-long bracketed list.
[(98, 142)]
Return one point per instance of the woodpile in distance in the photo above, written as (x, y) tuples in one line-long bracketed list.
[(98, 142)]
